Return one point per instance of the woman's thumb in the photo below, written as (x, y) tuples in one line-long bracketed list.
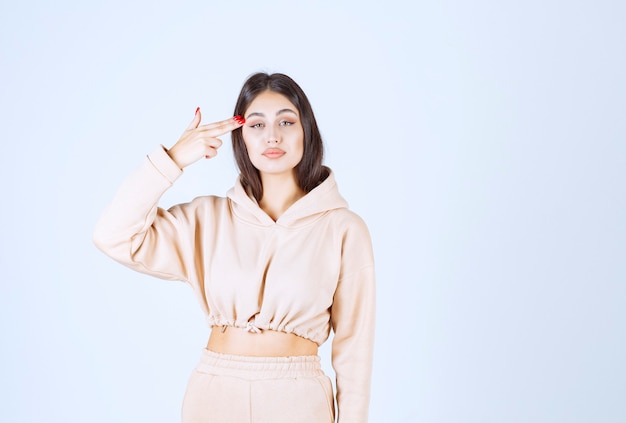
[(196, 120)]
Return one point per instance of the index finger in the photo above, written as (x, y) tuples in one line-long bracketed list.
[(222, 127)]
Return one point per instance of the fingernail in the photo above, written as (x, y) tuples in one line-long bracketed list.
[(239, 119), (197, 110)]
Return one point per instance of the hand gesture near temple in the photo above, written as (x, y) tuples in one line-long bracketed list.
[(200, 141)]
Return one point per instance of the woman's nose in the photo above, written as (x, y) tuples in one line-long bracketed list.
[(273, 138)]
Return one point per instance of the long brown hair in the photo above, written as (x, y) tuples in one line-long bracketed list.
[(309, 172)]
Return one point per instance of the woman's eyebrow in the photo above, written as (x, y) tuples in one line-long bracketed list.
[(277, 113), (285, 111)]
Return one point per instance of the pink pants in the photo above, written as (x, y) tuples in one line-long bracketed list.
[(240, 389)]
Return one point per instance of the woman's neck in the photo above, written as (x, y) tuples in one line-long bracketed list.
[(279, 193)]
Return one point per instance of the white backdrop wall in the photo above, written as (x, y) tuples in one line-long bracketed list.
[(483, 142)]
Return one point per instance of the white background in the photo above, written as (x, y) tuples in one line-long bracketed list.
[(483, 142)]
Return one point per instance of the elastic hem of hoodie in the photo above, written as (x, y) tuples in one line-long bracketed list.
[(253, 326)]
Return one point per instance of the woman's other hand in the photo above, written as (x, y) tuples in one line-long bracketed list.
[(200, 141)]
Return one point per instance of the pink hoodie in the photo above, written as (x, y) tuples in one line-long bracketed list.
[(311, 269)]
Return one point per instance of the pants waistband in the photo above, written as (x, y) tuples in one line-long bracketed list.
[(248, 367)]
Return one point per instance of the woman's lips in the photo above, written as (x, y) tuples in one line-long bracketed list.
[(273, 153)]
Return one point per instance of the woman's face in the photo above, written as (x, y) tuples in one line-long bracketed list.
[(273, 134)]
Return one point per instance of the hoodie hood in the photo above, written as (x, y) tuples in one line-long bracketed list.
[(323, 198)]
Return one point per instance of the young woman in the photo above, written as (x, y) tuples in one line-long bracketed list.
[(275, 264)]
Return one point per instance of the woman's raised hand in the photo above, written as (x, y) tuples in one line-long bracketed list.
[(200, 141)]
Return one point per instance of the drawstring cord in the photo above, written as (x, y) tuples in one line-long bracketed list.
[(252, 328)]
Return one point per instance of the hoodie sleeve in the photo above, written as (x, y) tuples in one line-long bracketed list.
[(352, 317), (137, 233)]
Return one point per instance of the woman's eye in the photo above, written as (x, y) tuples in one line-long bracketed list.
[(256, 125), (286, 123)]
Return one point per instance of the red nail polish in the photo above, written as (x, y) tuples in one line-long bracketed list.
[(239, 119), (197, 110)]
